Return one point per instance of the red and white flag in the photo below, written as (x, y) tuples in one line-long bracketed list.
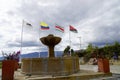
[(73, 29), (59, 28)]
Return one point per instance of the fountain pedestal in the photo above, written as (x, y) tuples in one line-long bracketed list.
[(50, 41)]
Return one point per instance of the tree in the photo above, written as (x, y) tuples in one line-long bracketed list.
[(106, 50), (116, 47), (89, 52), (81, 52), (89, 48)]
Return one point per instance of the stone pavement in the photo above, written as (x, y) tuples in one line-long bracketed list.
[(81, 75), (114, 69), (92, 69), (91, 73)]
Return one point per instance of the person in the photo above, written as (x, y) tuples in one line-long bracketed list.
[(115, 56)]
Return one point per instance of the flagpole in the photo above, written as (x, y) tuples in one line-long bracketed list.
[(39, 46), (70, 41), (80, 41), (21, 39), (22, 36)]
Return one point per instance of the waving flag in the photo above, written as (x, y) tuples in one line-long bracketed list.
[(59, 28), (73, 29), (44, 26), (28, 24)]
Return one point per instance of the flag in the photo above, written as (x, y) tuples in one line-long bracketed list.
[(27, 24), (73, 29), (44, 26), (59, 28)]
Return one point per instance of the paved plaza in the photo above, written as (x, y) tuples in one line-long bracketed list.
[(92, 69), (113, 68)]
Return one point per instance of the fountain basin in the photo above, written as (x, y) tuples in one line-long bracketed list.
[(50, 66)]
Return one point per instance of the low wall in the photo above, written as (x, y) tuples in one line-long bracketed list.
[(50, 66)]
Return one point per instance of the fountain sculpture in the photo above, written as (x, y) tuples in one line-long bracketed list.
[(50, 41), (51, 65)]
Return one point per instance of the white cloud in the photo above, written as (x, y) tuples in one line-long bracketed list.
[(96, 21)]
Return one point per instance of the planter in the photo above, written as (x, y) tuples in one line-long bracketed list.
[(16, 65), (103, 65), (8, 68)]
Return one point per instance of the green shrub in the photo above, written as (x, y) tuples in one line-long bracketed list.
[(87, 57)]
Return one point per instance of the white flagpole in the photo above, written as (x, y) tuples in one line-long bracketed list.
[(39, 38), (22, 36), (80, 41), (70, 40), (21, 39)]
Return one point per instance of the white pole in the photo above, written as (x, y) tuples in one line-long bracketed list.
[(22, 36), (21, 39), (39, 38), (80, 41), (70, 41)]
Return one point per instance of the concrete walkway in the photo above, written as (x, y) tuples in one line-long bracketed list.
[(91, 70), (115, 69), (81, 75)]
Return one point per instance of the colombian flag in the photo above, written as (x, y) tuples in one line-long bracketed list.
[(44, 26)]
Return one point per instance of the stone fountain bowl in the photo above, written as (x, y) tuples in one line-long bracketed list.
[(50, 40)]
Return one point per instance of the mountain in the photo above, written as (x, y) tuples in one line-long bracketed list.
[(34, 55), (38, 54)]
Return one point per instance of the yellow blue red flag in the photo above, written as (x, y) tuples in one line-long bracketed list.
[(44, 26)]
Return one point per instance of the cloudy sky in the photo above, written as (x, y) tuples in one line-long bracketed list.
[(97, 22)]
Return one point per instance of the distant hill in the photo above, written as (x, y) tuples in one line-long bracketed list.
[(38, 54)]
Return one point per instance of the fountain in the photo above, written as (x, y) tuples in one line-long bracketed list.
[(50, 41), (51, 65)]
